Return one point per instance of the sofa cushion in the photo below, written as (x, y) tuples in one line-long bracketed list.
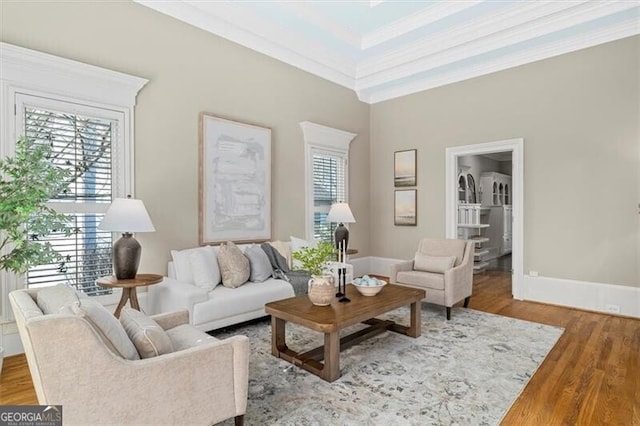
[(148, 337), (108, 327), (443, 247), (259, 264), (186, 336), (56, 299), (182, 262), (205, 269), (228, 302), (284, 249), (437, 264), (234, 266), (421, 279)]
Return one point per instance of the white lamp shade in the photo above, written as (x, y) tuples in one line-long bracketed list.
[(127, 215), (340, 213)]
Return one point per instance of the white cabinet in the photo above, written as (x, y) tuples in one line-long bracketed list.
[(472, 225), (495, 189), (500, 219)]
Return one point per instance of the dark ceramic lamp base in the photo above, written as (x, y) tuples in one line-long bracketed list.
[(126, 257)]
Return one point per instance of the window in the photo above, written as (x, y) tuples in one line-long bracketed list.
[(84, 140), (83, 144), (327, 172), (329, 186), (86, 112)]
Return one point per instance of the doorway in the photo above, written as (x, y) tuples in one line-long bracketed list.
[(472, 202)]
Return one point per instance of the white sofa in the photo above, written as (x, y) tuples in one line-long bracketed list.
[(222, 306)]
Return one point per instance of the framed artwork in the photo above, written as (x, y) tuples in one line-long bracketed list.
[(404, 207), (404, 168), (234, 181)]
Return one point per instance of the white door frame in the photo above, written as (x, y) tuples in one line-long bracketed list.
[(516, 147)]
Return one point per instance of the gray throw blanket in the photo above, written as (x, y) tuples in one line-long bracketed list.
[(298, 279)]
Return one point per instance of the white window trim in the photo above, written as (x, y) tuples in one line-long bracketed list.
[(319, 138), (40, 74)]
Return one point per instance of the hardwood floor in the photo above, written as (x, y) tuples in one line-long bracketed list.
[(591, 377)]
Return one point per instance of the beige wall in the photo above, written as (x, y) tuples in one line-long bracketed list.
[(192, 71), (578, 115)]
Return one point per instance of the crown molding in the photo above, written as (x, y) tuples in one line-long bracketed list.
[(472, 30), (328, 137), (438, 11), (476, 46), (627, 28), (335, 68), (20, 66)]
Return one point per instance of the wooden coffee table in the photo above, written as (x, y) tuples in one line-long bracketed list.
[(331, 319)]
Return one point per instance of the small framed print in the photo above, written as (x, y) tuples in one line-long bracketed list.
[(405, 205), (404, 168)]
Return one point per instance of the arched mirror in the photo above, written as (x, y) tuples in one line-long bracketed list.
[(471, 186), (462, 189)]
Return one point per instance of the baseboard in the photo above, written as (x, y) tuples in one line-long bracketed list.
[(598, 297)]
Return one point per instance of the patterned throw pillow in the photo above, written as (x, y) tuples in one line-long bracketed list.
[(149, 338), (234, 266)]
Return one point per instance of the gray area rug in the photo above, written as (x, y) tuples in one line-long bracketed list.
[(467, 371)]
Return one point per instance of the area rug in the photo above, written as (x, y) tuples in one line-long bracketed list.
[(466, 371)]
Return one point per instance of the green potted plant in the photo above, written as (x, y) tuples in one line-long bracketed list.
[(315, 260), (27, 181)]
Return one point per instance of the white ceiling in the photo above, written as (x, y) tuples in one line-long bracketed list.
[(385, 49)]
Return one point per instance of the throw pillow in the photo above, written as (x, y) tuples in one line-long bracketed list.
[(437, 264), (56, 299), (108, 327), (182, 262), (148, 337), (259, 264), (298, 244), (234, 266), (206, 273), (283, 248)]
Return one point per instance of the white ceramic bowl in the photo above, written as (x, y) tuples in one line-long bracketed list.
[(370, 290)]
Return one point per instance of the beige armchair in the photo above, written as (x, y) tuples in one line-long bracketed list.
[(441, 267), (71, 365)]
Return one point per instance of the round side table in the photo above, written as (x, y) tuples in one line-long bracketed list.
[(129, 288)]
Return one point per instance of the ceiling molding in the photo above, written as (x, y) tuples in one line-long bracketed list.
[(532, 29), (417, 20), (578, 42), (408, 47)]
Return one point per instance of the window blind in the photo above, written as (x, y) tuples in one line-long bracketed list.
[(329, 186), (83, 145)]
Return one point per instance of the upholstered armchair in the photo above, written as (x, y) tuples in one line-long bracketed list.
[(441, 267), (202, 381)]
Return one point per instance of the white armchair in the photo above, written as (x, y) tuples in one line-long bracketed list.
[(71, 365), (444, 283)]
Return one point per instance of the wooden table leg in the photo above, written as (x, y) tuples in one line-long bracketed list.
[(133, 299), (123, 301), (416, 320), (331, 369), (278, 343)]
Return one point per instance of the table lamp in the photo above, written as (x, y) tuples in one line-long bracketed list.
[(126, 215), (341, 213)]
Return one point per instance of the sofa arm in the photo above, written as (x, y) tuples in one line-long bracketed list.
[(398, 267), (172, 295), (171, 320)]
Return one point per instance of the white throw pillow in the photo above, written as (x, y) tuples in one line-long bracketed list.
[(148, 337), (108, 327), (206, 273), (182, 262), (298, 244), (437, 264)]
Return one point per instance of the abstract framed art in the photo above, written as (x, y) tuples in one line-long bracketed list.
[(405, 207), (404, 168), (234, 181)]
